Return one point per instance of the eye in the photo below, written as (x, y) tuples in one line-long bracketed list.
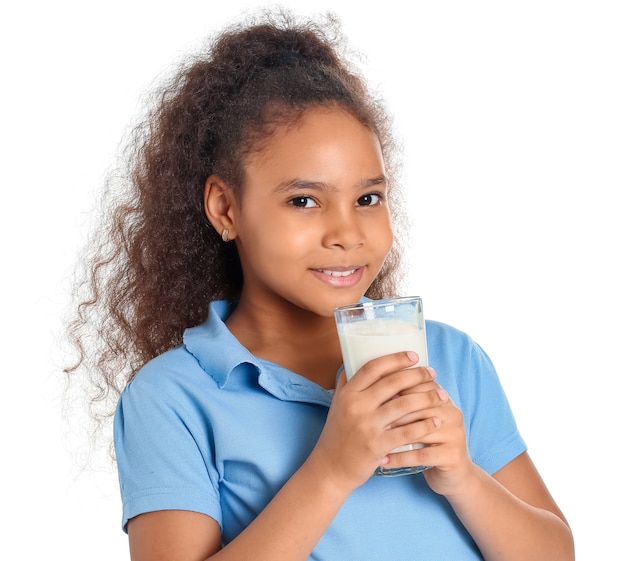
[(370, 199), (303, 202)]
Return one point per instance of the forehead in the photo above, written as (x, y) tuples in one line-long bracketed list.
[(319, 141)]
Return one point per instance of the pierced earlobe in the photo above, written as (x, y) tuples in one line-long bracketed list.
[(225, 235)]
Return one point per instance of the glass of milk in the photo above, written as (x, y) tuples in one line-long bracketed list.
[(374, 328)]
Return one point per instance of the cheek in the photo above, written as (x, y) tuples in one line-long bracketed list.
[(385, 239), (287, 235), (274, 237), (298, 240)]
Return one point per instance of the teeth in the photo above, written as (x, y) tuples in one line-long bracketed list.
[(338, 273)]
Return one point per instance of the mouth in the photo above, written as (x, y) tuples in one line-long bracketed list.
[(338, 273), (340, 277)]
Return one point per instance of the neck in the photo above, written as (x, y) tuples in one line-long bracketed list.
[(296, 339)]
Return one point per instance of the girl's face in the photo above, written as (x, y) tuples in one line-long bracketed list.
[(312, 222)]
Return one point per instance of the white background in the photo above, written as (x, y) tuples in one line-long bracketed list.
[(514, 124)]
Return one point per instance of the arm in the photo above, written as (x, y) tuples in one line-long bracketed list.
[(355, 440), (511, 516), (288, 528)]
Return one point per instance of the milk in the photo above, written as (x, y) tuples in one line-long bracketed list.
[(363, 341)]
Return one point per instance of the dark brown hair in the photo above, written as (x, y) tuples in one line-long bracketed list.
[(154, 263)]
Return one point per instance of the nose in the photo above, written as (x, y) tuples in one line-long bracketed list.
[(343, 229)]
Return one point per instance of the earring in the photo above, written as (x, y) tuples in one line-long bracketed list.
[(225, 235)]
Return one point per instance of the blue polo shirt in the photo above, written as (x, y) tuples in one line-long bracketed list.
[(208, 427)]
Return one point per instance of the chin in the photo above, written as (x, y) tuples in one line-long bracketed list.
[(346, 300)]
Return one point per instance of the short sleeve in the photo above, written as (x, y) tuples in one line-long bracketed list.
[(493, 437), (163, 454), (467, 373)]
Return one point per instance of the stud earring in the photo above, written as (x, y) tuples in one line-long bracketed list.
[(225, 235)]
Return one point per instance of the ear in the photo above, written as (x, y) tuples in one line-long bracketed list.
[(220, 205)]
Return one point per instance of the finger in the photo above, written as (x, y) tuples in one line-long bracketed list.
[(425, 382), (374, 370), (417, 432), (397, 384), (412, 407)]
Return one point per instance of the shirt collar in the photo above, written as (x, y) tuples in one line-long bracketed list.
[(219, 353), (225, 353)]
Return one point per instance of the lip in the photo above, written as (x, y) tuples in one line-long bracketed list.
[(340, 277)]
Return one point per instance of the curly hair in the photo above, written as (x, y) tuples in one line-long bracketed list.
[(154, 263)]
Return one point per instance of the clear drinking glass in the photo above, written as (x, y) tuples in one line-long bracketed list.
[(371, 329)]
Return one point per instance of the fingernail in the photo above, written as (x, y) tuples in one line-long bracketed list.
[(432, 373), (443, 394), (413, 356)]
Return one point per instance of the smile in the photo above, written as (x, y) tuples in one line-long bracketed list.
[(341, 277), (337, 273)]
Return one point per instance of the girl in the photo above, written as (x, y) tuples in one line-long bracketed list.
[(262, 189)]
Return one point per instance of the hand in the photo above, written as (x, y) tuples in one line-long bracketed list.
[(385, 405), (446, 446)]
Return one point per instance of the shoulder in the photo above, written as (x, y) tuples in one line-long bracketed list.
[(170, 368), (167, 401), (208, 351), (172, 385), (444, 330), (444, 338), (458, 360)]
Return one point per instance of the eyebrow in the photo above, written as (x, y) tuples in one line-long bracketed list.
[(303, 184)]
